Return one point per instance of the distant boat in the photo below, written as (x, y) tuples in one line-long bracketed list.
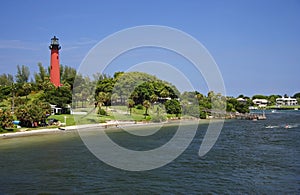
[(295, 108), (288, 126), (271, 126), (273, 111)]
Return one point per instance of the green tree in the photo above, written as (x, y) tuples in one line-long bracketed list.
[(33, 113), (173, 107), (6, 79), (23, 74), (272, 99), (153, 98), (130, 105), (60, 96), (296, 95), (6, 119), (68, 75), (147, 105), (27, 89), (103, 98), (41, 76), (164, 93)]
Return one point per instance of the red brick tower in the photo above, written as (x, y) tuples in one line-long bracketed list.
[(54, 62)]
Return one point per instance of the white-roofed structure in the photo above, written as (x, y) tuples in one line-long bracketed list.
[(286, 101), (260, 102)]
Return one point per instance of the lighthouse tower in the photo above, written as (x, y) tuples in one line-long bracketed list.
[(54, 62)]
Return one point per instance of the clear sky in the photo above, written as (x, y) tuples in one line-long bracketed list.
[(256, 43)]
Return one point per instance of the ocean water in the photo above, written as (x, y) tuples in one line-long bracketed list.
[(250, 157)]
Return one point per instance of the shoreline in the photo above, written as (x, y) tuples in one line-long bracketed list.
[(104, 126)]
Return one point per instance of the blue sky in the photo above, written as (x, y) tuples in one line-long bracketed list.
[(256, 44)]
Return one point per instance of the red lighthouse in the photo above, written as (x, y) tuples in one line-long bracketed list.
[(54, 62)]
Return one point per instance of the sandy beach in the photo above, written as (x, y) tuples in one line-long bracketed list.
[(107, 125)]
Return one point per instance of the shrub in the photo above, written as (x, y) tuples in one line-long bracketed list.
[(140, 107), (158, 118), (101, 112), (202, 115), (6, 119)]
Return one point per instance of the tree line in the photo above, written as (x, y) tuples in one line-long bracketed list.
[(28, 99)]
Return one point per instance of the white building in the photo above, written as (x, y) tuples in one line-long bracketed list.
[(242, 100), (286, 101), (260, 102), (55, 109)]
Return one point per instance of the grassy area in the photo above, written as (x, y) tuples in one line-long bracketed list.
[(120, 113), (284, 107), (64, 117)]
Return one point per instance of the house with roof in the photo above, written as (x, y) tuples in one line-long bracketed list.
[(261, 103), (286, 101)]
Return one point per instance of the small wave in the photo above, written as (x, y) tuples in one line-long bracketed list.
[(272, 126), (286, 126)]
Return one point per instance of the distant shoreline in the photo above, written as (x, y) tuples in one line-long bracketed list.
[(104, 126)]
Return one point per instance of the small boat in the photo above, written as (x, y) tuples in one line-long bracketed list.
[(271, 126)]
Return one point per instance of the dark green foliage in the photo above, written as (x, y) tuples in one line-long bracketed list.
[(151, 90), (60, 96), (202, 114), (101, 112), (5, 91), (6, 79), (41, 76), (6, 119), (105, 85), (68, 75), (32, 114), (173, 107), (296, 95), (235, 106), (136, 86), (139, 106)]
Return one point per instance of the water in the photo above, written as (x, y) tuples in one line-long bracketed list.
[(250, 157)]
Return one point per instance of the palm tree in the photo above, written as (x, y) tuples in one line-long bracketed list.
[(164, 93), (100, 99), (147, 105), (103, 98), (153, 98), (27, 88), (130, 104)]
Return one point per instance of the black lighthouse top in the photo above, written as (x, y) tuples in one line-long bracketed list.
[(54, 43)]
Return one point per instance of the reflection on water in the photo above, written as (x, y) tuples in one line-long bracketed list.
[(248, 158)]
